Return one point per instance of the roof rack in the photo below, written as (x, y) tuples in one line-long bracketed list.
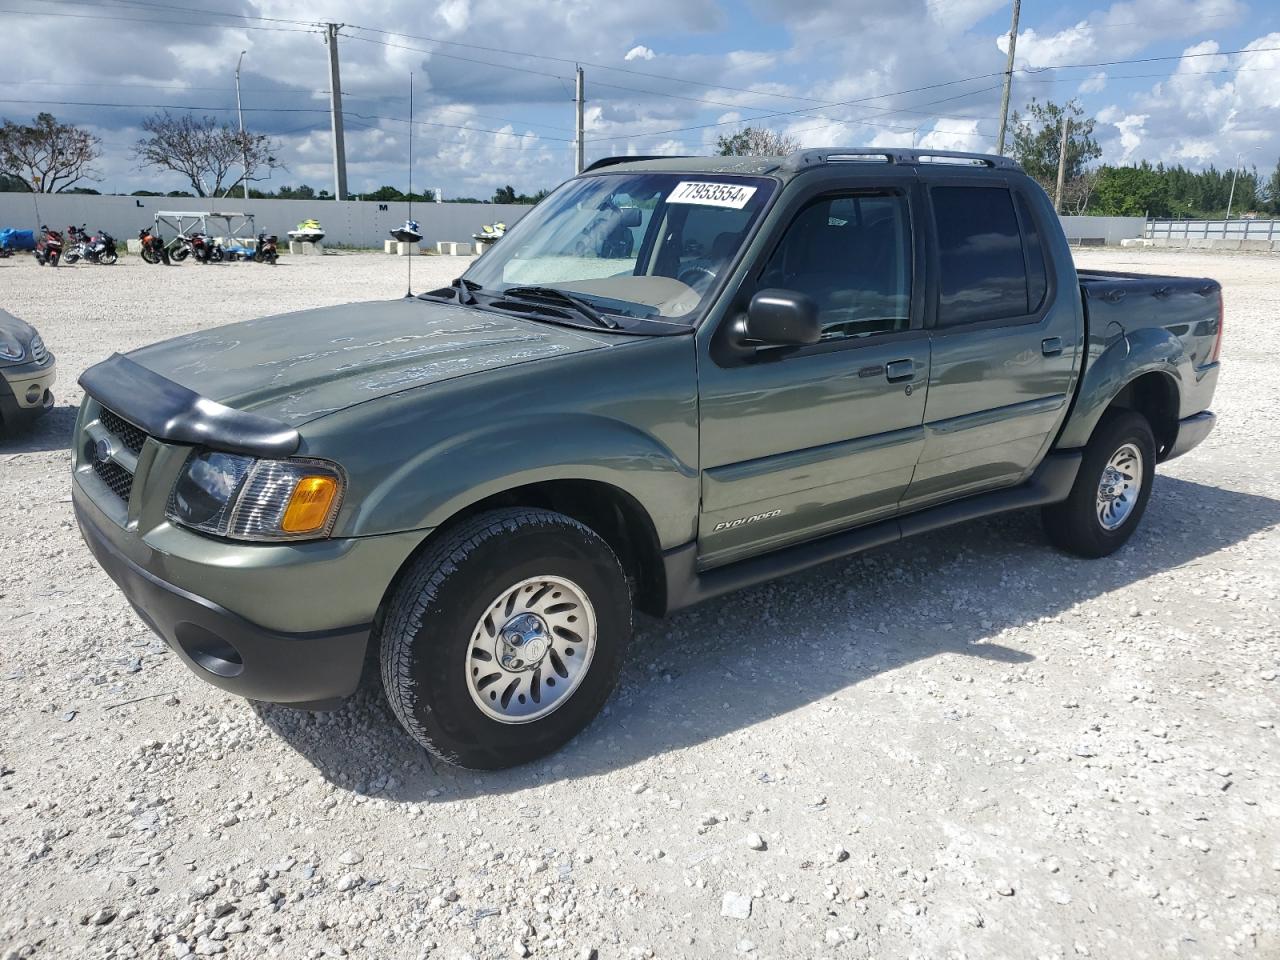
[(909, 157), (610, 161)]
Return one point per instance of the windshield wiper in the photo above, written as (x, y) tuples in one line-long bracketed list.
[(465, 289), (566, 299)]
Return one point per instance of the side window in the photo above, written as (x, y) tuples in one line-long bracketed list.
[(982, 273), (1037, 277), (853, 256)]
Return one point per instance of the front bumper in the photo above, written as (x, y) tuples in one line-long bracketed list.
[(1191, 432), (313, 670), (25, 390)]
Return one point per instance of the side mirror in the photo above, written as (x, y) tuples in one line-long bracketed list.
[(782, 318)]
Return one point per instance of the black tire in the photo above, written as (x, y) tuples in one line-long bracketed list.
[(109, 258), (149, 255), (426, 638), (179, 254), (1074, 524)]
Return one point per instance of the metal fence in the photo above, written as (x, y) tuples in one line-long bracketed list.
[(1241, 229)]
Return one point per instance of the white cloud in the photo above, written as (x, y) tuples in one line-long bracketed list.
[(1094, 84), (640, 52)]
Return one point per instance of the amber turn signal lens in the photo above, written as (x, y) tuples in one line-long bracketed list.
[(309, 506)]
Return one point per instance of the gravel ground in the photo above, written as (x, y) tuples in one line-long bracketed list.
[(963, 745)]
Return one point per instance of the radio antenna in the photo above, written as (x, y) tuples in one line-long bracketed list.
[(412, 243)]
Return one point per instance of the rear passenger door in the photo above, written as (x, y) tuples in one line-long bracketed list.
[(1004, 345)]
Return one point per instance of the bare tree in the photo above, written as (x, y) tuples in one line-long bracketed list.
[(1078, 191), (212, 156), (47, 156), (756, 142)]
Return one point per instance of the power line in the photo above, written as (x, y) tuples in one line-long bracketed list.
[(151, 20), (213, 109), (275, 92)]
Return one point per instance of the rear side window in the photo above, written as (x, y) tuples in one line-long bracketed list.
[(1037, 278), (982, 271)]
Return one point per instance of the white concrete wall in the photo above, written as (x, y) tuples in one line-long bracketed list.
[(1109, 230), (362, 223)]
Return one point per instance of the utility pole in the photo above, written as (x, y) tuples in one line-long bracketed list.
[(244, 146), (335, 106), (1008, 78), (1231, 197), (579, 103), (1062, 162)]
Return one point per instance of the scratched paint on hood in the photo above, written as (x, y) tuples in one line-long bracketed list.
[(300, 366)]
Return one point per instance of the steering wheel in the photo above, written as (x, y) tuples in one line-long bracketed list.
[(698, 277)]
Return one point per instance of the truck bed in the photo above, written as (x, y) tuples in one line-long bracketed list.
[(1189, 308)]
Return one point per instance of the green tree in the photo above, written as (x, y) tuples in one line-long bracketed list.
[(1271, 192), (508, 194), (1131, 192), (1037, 140)]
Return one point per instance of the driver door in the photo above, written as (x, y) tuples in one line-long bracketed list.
[(799, 442)]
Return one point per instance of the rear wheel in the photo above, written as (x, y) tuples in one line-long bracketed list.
[(506, 637), (1111, 490)]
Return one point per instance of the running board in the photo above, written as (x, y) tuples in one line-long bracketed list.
[(686, 585)]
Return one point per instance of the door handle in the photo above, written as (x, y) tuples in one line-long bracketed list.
[(1051, 346), (897, 370)]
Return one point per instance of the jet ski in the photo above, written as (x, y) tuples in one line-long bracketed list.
[(409, 233), (308, 231)]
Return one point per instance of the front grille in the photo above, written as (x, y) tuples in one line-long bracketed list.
[(107, 467), (38, 351), (126, 432), (114, 476)]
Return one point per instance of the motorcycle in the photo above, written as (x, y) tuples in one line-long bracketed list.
[(153, 247), (199, 246), (266, 249), (48, 247), (98, 248)]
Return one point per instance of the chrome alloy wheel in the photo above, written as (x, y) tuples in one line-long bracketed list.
[(531, 649), (1119, 487)]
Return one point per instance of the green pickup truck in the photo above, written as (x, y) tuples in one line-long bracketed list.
[(672, 379)]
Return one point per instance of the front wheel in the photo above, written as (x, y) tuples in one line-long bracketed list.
[(506, 637), (1111, 490), (108, 258)]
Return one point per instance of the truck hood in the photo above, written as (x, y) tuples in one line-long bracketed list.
[(299, 366)]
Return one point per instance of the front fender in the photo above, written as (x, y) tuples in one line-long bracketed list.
[(463, 468), (1118, 362)]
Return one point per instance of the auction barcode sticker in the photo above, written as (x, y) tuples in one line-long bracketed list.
[(730, 195)]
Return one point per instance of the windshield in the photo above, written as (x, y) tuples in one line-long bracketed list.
[(640, 244)]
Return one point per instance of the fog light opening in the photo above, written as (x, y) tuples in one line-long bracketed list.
[(209, 651)]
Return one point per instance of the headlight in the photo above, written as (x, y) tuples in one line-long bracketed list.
[(10, 347), (247, 499)]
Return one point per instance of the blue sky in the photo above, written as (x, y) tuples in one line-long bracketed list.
[(494, 80)]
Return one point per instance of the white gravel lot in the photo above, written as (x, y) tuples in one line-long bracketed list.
[(965, 745)]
